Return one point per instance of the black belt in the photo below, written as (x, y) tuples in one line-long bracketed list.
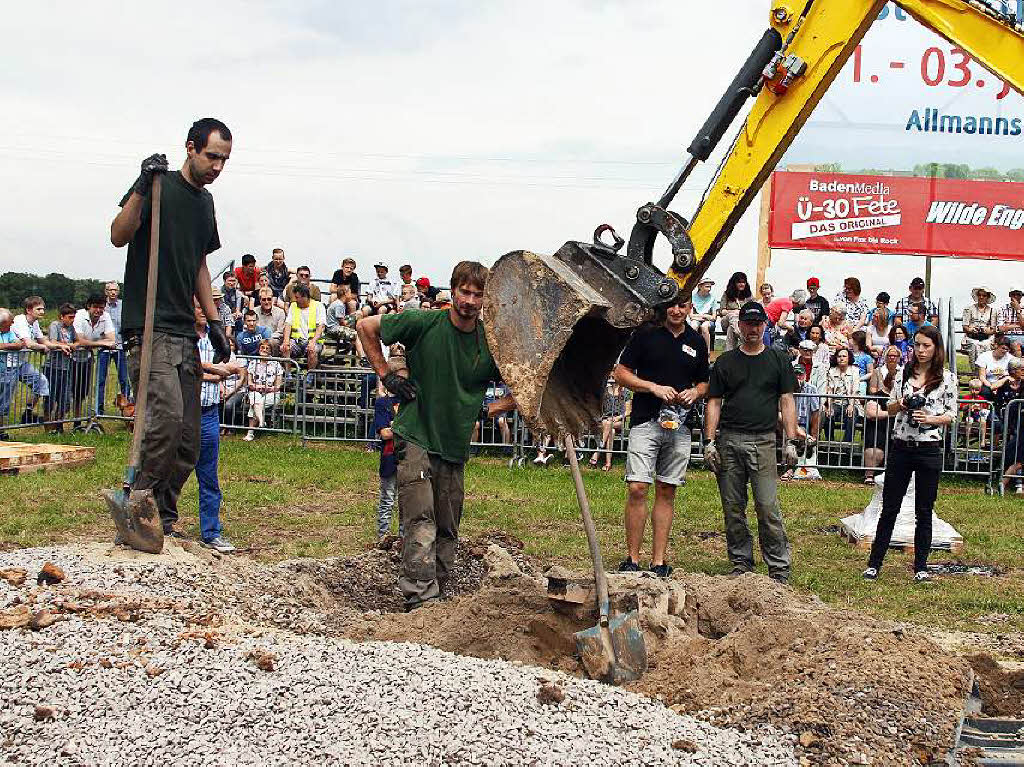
[(914, 445)]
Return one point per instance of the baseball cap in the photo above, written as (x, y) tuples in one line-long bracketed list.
[(423, 282), (798, 368), (807, 344), (706, 281), (917, 282), (813, 281), (752, 311), (380, 265), (1018, 291)]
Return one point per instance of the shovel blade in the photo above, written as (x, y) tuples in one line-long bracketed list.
[(555, 325), (615, 654), (137, 519)]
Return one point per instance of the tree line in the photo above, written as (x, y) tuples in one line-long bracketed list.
[(54, 288)]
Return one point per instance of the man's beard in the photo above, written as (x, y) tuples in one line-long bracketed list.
[(465, 312)]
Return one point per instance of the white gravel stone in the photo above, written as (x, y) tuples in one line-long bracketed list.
[(327, 701)]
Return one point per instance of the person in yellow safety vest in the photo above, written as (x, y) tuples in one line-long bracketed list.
[(304, 328)]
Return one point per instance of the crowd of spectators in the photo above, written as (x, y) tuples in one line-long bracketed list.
[(845, 350)]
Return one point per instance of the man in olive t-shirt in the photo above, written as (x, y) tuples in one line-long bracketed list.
[(749, 386), (188, 232), (449, 369)]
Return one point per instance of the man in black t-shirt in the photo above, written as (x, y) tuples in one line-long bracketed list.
[(666, 366), (346, 277), (749, 386), (188, 232)]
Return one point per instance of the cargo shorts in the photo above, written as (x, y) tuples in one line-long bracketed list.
[(657, 453)]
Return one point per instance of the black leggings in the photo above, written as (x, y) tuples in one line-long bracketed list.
[(926, 463)]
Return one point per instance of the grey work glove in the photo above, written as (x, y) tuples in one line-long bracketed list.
[(790, 454), (400, 386), (712, 458), (219, 341), (155, 163)]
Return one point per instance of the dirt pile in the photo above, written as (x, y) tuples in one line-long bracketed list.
[(850, 688), (1002, 691)]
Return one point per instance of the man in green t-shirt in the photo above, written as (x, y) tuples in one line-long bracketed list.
[(749, 387), (188, 232), (449, 369)]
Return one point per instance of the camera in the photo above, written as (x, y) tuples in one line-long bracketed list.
[(915, 402)]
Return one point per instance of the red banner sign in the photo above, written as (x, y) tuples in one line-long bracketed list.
[(897, 214)]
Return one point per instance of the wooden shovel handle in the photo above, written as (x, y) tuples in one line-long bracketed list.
[(600, 578), (142, 395)]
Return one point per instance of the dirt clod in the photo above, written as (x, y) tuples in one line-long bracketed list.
[(42, 619), (15, 617), (684, 745), (263, 659), (15, 575), (550, 693), (50, 575)]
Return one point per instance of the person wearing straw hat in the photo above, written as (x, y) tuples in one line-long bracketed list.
[(705, 309), (980, 323)]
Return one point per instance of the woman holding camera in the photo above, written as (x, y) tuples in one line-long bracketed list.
[(923, 403)]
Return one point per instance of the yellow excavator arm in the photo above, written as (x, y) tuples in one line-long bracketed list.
[(819, 37)]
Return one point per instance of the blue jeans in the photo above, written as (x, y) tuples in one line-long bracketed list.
[(121, 360), (8, 384), (206, 474)]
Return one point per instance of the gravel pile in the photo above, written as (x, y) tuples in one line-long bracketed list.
[(166, 662)]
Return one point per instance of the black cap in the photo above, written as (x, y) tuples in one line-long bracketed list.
[(917, 282), (752, 311)]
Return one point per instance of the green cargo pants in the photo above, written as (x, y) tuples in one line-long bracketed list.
[(750, 458), (430, 496), (170, 445)]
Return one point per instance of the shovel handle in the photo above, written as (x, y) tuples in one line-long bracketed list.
[(142, 395), (600, 578)]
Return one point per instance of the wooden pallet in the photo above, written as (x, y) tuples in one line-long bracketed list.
[(23, 457), (863, 543)]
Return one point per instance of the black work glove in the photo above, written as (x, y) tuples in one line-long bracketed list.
[(400, 386), (219, 341), (155, 163)]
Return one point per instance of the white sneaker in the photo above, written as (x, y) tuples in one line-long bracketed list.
[(249, 436), (1018, 488), (221, 544), (539, 459)]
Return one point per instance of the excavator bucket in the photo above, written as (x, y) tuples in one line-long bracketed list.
[(557, 324)]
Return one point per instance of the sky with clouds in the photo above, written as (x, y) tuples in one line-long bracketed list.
[(420, 132)]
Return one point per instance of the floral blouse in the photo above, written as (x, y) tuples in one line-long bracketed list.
[(939, 401), (844, 384)]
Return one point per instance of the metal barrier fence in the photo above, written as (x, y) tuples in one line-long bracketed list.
[(267, 399), (1012, 457), (46, 388), (337, 404)]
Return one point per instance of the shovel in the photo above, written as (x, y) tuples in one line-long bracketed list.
[(135, 513), (613, 651)]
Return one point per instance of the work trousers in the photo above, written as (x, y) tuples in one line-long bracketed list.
[(210, 496), (749, 458), (121, 361), (170, 445), (926, 463), (430, 497)]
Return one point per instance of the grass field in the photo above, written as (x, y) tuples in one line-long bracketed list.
[(283, 500)]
